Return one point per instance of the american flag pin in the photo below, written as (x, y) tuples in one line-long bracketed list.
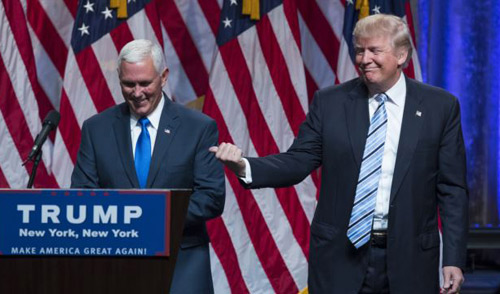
[(167, 131), (418, 113)]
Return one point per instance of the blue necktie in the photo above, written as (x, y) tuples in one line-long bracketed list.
[(143, 153), (360, 223)]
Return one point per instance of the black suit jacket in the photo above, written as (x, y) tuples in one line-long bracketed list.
[(180, 160), (429, 173)]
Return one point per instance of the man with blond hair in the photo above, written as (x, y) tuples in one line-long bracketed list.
[(392, 155)]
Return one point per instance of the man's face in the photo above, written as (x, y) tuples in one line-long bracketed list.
[(379, 63), (141, 85)]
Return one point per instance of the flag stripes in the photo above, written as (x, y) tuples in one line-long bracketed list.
[(321, 31), (233, 113), (184, 46), (10, 161), (15, 11), (48, 35), (64, 145), (279, 65), (3, 180)]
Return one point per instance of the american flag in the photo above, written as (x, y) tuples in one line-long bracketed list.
[(251, 65)]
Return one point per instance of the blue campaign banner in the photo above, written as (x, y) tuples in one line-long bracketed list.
[(85, 222)]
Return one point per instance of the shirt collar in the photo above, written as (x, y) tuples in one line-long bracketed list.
[(154, 117), (396, 93)]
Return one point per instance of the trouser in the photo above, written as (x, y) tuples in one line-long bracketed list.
[(376, 280)]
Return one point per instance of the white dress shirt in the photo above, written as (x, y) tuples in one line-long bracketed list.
[(154, 119), (394, 106)]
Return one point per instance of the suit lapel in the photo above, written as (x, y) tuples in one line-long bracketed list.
[(121, 129), (169, 122), (357, 116), (410, 130)]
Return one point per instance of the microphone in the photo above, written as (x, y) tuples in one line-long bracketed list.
[(49, 123)]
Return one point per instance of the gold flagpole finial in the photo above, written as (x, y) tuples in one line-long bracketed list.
[(121, 6), (364, 8), (251, 8)]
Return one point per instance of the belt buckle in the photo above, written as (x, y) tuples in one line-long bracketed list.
[(379, 239), (379, 233)]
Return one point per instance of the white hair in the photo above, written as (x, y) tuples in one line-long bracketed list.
[(138, 50)]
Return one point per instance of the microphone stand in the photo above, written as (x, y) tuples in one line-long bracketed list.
[(33, 170), (49, 124)]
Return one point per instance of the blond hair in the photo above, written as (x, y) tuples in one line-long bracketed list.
[(379, 25)]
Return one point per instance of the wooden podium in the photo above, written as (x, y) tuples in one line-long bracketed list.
[(91, 274)]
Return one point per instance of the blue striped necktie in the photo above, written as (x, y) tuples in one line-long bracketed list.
[(143, 153), (360, 223)]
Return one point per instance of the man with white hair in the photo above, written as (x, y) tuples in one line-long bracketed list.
[(151, 142), (392, 154)]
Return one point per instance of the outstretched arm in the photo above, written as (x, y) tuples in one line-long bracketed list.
[(231, 156)]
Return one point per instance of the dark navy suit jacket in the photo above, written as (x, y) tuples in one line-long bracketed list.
[(180, 160), (429, 172)]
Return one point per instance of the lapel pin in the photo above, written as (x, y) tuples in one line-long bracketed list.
[(418, 113), (167, 131)]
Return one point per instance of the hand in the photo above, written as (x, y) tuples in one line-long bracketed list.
[(231, 156), (453, 279)]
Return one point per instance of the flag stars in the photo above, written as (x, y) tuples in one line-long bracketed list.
[(227, 22), (349, 2), (84, 29), (88, 7), (234, 2), (107, 13), (376, 9)]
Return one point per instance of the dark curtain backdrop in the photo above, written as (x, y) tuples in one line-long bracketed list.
[(459, 49)]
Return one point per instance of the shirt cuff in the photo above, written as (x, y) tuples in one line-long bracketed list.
[(247, 179)]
